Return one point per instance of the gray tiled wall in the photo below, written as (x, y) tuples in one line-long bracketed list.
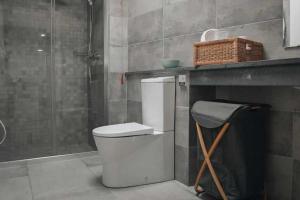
[(118, 61), (168, 28)]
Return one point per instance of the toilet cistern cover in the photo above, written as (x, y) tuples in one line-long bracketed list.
[(123, 130)]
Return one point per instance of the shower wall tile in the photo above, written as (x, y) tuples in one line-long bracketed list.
[(142, 22), (27, 97), (72, 131), (32, 139), (145, 56), (237, 12), (190, 16), (134, 111), (181, 48), (71, 93), (98, 29), (97, 115), (68, 64)]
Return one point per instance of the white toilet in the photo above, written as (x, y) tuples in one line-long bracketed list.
[(135, 154)]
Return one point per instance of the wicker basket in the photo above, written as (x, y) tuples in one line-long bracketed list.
[(227, 51)]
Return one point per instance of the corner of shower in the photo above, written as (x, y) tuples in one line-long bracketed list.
[(54, 86)]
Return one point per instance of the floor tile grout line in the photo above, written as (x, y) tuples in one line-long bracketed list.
[(30, 183)]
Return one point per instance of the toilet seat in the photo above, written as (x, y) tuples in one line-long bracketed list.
[(123, 130)]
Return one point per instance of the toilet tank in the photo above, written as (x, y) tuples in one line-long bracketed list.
[(158, 103)]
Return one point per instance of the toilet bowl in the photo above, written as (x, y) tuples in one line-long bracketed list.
[(136, 154)]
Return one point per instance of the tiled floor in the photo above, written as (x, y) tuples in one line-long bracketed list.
[(76, 178)]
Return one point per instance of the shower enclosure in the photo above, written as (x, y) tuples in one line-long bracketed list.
[(51, 76)]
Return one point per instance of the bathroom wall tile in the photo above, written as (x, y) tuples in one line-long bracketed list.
[(296, 180), (134, 111), (237, 12), (182, 126), (280, 135), (117, 111), (118, 8), (150, 23), (134, 92), (279, 175), (118, 59), (185, 17), (181, 48), (118, 30), (117, 89), (270, 34), (140, 7), (145, 56), (71, 93), (182, 164), (296, 135)]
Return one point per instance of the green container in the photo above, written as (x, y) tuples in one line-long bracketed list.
[(170, 63)]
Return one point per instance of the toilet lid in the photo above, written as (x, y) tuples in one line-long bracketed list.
[(123, 130)]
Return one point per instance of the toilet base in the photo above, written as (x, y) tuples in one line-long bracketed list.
[(137, 160)]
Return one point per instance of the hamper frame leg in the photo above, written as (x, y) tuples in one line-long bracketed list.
[(207, 161)]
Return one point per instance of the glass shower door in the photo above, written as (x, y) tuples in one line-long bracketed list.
[(25, 84)]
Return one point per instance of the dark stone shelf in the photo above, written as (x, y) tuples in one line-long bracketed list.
[(281, 72)]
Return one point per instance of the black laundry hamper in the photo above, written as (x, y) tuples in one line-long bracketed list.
[(232, 138)]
